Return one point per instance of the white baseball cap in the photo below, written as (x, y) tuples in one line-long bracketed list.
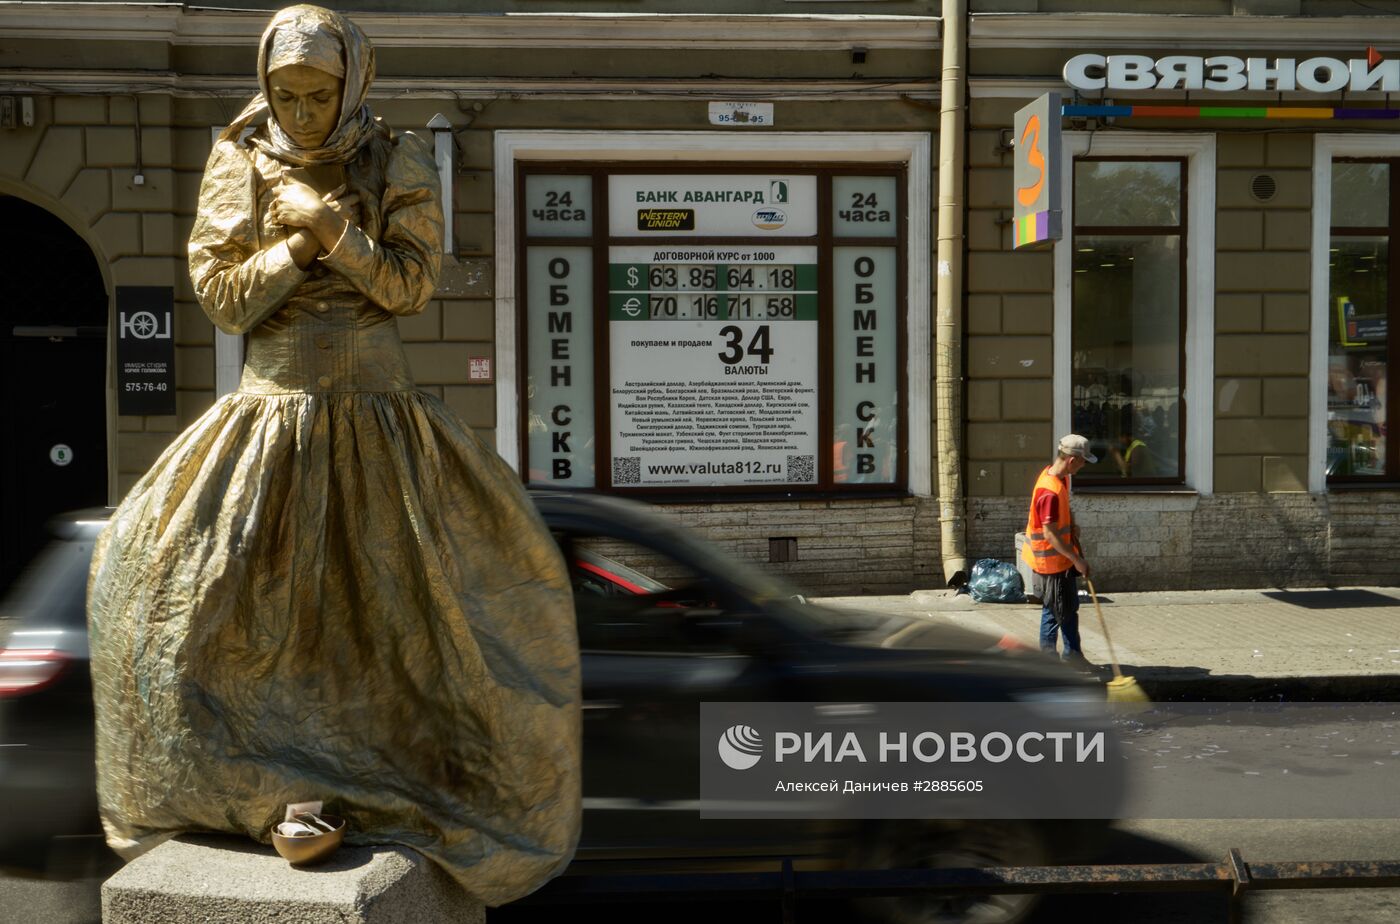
[(1076, 445)]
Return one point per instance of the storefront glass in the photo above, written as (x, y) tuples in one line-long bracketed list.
[(1128, 317), (1358, 360)]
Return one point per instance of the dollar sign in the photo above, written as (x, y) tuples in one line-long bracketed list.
[(631, 275)]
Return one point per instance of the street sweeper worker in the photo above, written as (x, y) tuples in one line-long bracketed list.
[(1052, 548)]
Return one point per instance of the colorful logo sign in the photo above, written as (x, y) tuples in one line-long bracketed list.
[(1224, 73), (1036, 200), (665, 219), (769, 219)]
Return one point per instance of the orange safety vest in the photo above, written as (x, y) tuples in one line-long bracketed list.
[(1038, 552)]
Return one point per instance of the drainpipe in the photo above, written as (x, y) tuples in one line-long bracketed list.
[(947, 348)]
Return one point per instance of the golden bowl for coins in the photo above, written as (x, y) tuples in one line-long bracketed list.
[(313, 848)]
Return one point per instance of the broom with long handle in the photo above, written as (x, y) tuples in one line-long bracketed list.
[(1121, 689)]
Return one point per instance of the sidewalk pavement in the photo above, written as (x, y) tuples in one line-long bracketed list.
[(1217, 644)]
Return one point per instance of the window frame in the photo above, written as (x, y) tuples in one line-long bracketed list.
[(912, 149), (1179, 230), (826, 241), (1327, 149), (1197, 413)]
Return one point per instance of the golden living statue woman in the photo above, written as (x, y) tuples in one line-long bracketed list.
[(327, 587)]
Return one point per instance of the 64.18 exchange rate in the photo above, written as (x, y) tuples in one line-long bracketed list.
[(710, 292)]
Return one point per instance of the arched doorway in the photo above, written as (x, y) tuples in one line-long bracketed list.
[(53, 366)]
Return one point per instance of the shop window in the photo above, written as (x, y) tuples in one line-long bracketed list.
[(692, 328), (1128, 317), (1360, 305)]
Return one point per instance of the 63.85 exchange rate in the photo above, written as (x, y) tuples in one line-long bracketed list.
[(712, 292)]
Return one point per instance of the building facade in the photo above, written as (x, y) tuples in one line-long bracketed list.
[(693, 259), (1225, 224)]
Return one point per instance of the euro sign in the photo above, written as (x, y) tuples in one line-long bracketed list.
[(632, 307)]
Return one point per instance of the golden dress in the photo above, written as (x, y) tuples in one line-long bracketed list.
[(328, 587)]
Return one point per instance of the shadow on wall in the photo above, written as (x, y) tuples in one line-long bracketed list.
[(1260, 540), (1151, 542)]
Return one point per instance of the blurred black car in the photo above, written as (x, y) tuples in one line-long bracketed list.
[(47, 777), (678, 624)]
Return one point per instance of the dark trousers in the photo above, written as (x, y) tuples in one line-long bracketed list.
[(1059, 612)]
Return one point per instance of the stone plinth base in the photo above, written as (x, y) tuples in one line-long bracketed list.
[(230, 880)]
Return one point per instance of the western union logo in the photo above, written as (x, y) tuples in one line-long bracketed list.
[(665, 219)]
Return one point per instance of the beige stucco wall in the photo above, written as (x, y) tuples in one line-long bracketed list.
[(1262, 278), (1260, 527), (1010, 323), (1262, 274), (845, 545), (80, 159)]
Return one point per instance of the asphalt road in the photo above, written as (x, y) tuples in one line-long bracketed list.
[(73, 898), (1137, 842), (66, 892)]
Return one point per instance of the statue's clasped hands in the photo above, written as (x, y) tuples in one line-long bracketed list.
[(320, 220)]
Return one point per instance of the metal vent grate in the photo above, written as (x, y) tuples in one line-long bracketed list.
[(1263, 187)]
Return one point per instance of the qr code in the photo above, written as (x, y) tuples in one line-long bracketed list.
[(799, 469), (627, 470)]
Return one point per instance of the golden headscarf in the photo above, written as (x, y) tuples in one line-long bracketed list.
[(323, 39)]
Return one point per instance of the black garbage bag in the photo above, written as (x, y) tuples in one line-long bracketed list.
[(995, 581)]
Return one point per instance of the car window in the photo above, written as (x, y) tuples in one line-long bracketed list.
[(625, 567), (630, 598), (595, 573), (52, 590)]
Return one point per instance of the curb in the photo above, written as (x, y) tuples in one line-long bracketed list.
[(1247, 688)]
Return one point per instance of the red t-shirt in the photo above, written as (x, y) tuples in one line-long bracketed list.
[(1047, 507)]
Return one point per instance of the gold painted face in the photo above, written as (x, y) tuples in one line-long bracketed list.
[(305, 102)]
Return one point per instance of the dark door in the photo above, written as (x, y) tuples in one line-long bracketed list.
[(53, 359)]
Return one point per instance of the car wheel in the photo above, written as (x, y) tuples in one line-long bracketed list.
[(950, 845)]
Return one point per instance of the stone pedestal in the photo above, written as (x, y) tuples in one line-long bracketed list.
[(229, 880)]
